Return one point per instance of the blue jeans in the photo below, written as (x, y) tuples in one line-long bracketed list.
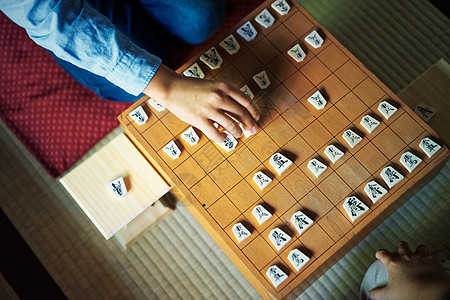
[(150, 24)]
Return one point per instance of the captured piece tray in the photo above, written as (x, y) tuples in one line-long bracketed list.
[(218, 188)]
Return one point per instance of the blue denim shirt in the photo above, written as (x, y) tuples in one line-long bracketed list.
[(77, 33)]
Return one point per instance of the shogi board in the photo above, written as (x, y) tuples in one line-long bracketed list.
[(217, 186)]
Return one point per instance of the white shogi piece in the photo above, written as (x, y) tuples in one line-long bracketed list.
[(386, 109), (333, 153), (156, 105), (172, 150), (261, 214), (262, 80), (391, 176), (279, 238), (246, 133), (281, 7), (297, 53), (354, 208), (261, 180), (410, 161), (351, 138), (369, 123), (247, 31), (230, 44), (118, 187), (265, 19), (429, 146), (212, 58), (316, 167), (317, 100), (194, 71), (280, 163), (276, 276), (314, 39), (301, 221), (190, 136), (298, 259), (246, 90), (240, 232), (138, 115), (229, 144), (374, 190)]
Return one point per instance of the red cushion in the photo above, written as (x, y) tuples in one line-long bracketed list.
[(56, 118)]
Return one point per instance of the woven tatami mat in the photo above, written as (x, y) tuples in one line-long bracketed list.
[(177, 259)]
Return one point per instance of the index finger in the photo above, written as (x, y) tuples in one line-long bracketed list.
[(244, 101)]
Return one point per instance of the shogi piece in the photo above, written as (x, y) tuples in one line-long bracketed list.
[(172, 150), (279, 238), (156, 105), (410, 161), (139, 116), (317, 100), (261, 180), (194, 71), (301, 221), (369, 123), (212, 58), (387, 109), (375, 191), (351, 138), (265, 19), (247, 31), (246, 90), (298, 259), (240, 232), (246, 133), (280, 162), (425, 111), (229, 144), (316, 167), (190, 136), (230, 44), (262, 80), (261, 214), (276, 276), (297, 53), (333, 153), (281, 7), (354, 208), (429, 146), (391, 176), (314, 39), (118, 188)]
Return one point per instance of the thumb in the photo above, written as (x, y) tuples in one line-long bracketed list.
[(379, 293)]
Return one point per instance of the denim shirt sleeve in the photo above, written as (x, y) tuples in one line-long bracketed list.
[(79, 34)]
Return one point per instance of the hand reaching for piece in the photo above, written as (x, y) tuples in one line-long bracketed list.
[(203, 103), (418, 275)]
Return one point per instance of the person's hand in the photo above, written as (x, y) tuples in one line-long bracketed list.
[(202, 103), (418, 275)]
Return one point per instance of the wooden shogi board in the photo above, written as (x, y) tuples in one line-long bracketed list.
[(217, 186)]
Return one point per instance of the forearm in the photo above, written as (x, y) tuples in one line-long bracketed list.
[(161, 83), (77, 33)]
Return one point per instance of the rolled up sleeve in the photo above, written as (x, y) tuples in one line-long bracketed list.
[(79, 34)]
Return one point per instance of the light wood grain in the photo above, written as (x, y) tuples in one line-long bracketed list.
[(88, 185)]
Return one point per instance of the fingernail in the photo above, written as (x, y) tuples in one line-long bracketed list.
[(255, 128)]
